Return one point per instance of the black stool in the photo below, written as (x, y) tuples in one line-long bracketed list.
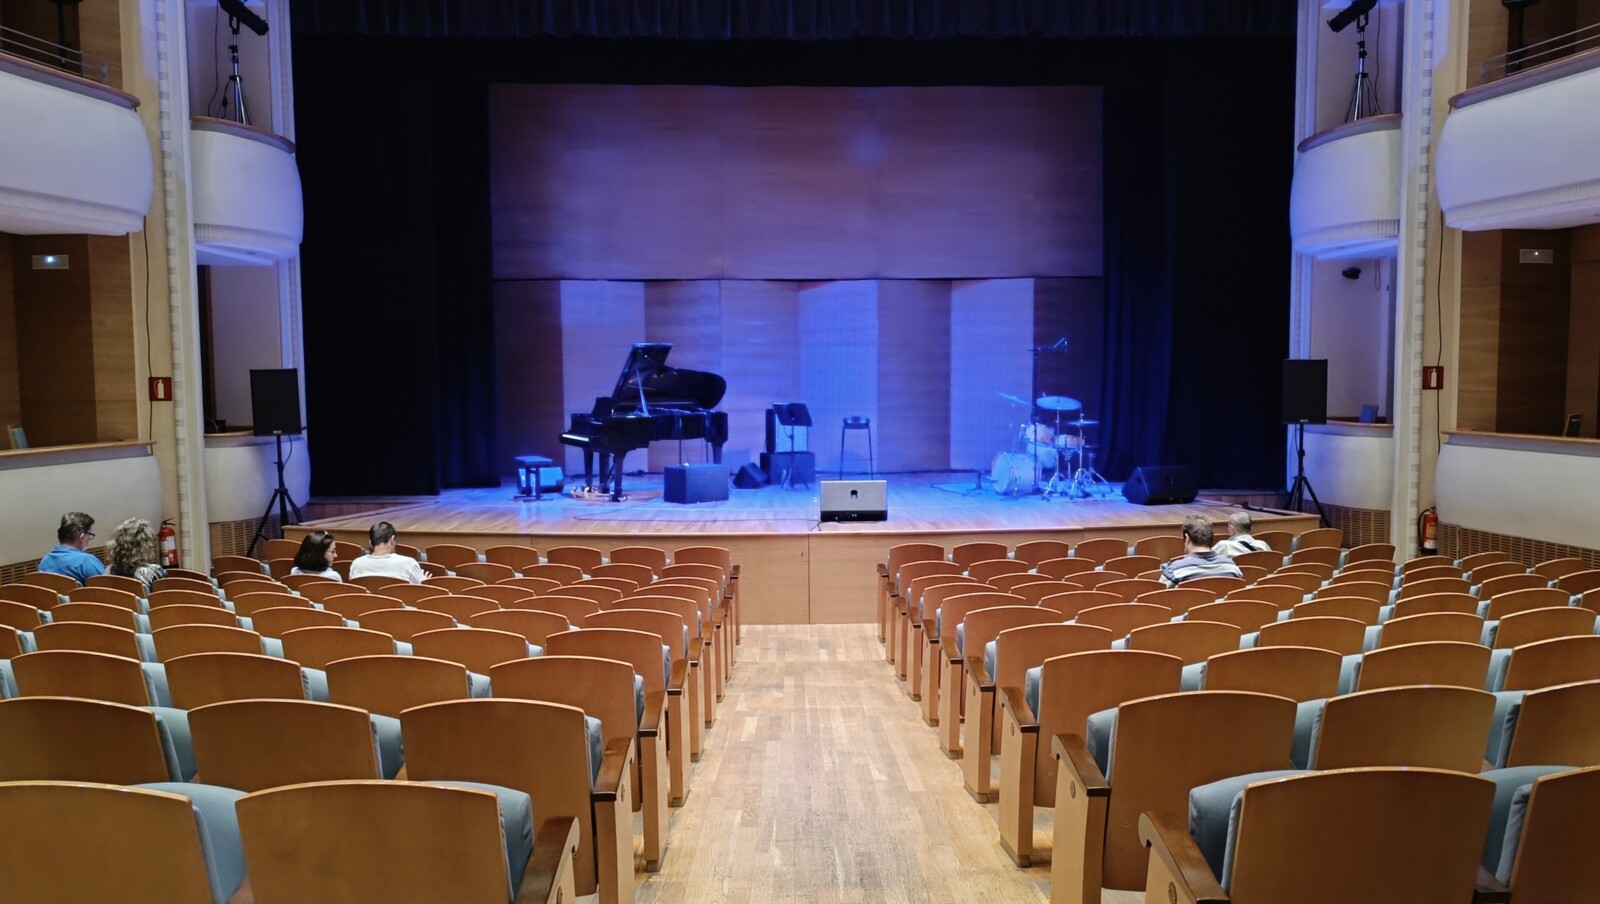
[(856, 422)]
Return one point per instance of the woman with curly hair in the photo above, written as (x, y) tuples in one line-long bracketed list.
[(133, 552)]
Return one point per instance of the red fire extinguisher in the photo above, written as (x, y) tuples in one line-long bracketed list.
[(169, 545), (1428, 531)]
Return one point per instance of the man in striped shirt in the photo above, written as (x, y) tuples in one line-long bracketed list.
[(1198, 559)]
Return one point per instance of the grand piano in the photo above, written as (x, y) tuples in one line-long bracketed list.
[(650, 402)]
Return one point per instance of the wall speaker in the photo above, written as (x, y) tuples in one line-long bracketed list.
[(749, 477), (275, 401), (1160, 485), (1305, 391)]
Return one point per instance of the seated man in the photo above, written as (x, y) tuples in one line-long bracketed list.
[(383, 560), (69, 557), (1198, 559), (1239, 540)]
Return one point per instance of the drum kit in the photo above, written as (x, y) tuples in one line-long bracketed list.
[(1052, 458)]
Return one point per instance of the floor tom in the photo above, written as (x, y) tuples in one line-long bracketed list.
[(1012, 473)]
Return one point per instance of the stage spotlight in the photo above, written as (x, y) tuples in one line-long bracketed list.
[(240, 13), (1351, 13), (1351, 273)]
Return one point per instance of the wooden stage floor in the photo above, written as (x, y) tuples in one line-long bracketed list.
[(795, 569)]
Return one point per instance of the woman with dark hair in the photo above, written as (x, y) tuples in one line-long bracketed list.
[(133, 552), (316, 556)]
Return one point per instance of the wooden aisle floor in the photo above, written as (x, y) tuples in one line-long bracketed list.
[(820, 783)]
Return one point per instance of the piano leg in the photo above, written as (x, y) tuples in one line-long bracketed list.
[(588, 469), (716, 453), (616, 486)]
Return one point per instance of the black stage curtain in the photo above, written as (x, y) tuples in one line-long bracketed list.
[(797, 19), (392, 137)]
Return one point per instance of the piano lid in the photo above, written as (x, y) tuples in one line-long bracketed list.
[(667, 387)]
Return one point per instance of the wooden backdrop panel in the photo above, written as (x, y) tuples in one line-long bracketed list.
[(688, 315), (838, 362), (600, 321), (687, 182), (10, 393), (912, 432), (991, 330), (530, 405), (760, 358), (55, 341)]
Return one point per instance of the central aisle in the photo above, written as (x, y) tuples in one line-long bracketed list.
[(820, 783)]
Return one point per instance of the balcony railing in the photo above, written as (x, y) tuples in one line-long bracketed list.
[(1538, 53), (58, 56)]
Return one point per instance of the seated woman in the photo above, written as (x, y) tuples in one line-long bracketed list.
[(316, 556), (133, 552)]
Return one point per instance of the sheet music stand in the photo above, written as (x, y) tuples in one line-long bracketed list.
[(791, 415)]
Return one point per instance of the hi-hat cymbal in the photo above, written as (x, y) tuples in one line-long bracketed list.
[(1013, 399), (1058, 403)]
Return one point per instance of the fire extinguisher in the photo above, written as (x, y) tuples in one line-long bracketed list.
[(169, 545), (1428, 531)]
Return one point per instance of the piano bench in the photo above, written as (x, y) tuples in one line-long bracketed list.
[(538, 474)]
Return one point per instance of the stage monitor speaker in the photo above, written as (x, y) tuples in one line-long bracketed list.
[(275, 401), (1305, 391), (749, 477), (695, 483), (855, 500), (1159, 485), (775, 463)]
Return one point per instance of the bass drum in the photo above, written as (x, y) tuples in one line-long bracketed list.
[(1012, 473)]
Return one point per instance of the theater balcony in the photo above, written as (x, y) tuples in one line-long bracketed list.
[(1345, 199), (75, 158), (1519, 152), (247, 205)]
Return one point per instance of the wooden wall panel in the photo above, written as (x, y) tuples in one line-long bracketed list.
[(912, 432), (838, 361), (1478, 387), (530, 404), (600, 321), (55, 341), (682, 182), (116, 389), (100, 36), (991, 330), (760, 358), (1583, 332), (1534, 311), (688, 315), (10, 392)]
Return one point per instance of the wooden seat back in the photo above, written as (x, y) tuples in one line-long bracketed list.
[(280, 620), (559, 572), (1063, 568), (1100, 549), (118, 582), (955, 608), (1547, 663), (651, 557), (479, 649), (602, 688), (168, 616), (1169, 744), (37, 596), (78, 673), (1502, 569), (316, 647), (640, 649), (1302, 581), (1036, 551), (586, 558), (1298, 673), (390, 685), (1341, 635), (252, 745), (1321, 569), (1543, 624), (1122, 618), (219, 564), (95, 613), (1557, 725), (1359, 608), (1178, 599), (1552, 862), (1371, 552), (1162, 548), (984, 625), (247, 604), (1434, 626), (1369, 590), (1221, 585), (1129, 589), (296, 582), (450, 554), (1424, 726), (628, 571), (503, 594), (1283, 596), (1464, 603), (1443, 662), (108, 595), (1321, 555), (457, 606), (200, 679), (991, 568), (1270, 559), (1366, 574), (405, 624), (452, 583), (667, 626), (52, 738), (1247, 615), (1494, 587), (599, 593), (22, 616), (321, 591), (574, 608), (161, 598), (376, 582), (1484, 558), (88, 637), (518, 557), (686, 609), (968, 554), (916, 594), (59, 583), (1074, 686), (537, 585), (1320, 537), (533, 625), (1132, 565), (355, 605), (1072, 602), (1556, 568), (1524, 600), (182, 640), (1190, 640), (1433, 585)]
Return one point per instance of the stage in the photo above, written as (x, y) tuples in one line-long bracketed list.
[(795, 569)]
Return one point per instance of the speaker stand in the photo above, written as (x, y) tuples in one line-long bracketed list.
[(281, 500), (1301, 487)]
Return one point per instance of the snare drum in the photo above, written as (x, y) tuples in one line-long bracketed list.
[(1069, 441), (1012, 473), (1036, 433)]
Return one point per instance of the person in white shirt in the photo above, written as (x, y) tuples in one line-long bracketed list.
[(1239, 540), (316, 556), (383, 560)]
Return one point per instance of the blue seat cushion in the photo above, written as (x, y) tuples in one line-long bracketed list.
[(315, 682), (1349, 672), (1507, 708), (516, 827), (1030, 686), (991, 653), (1369, 639), (177, 745), (597, 744), (1210, 816), (638, 698), (1193, 677), (272, 646), (1307, 717), (1249, 639), (386, 740), (155, 683), (1499, 663), (961, 639), (147, 647), (478, 686), (8, 680), (1511, 790), (218, 828), (1100, 737)]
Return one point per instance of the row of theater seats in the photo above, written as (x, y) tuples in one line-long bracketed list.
[(641, 673), (1342, 660)]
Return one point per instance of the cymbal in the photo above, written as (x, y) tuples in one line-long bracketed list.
[(1058, 403), (1013, 399), (1080, 422)]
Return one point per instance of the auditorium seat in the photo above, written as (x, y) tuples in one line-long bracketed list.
[(281, 548), (101, 614), (968, 554), (204, 678), (1162, 548), (1100, 549), (1503, 569), (1092, 580), (708, 593), (1122, 618), (108, 595), (1129, 589), (600, 593), (1579, 582), (452, 583), (220, 564), (699, 629), (919, 611), (1062, 569), (1269, 559), (1382, 575), (573, 607), (1068, 689), (1419, 628), (247, 604), (182, 640), (375, 582), (652, 557), (939, 643), (279, 620), (585, 558), (536, 585), (1035, 552), (518, 557), (1539, 624), (1467, 563), (169, 616), (177, 575), (171, 842), (1361, 609), (898, 556), (1551, 725), (35, 595), (545, 751), (1322, 570), (479, 649), (251, 745), (458, 607), (1422, 726), (319, 592), (1322, 537), (84, 740), (1246, 615), (21, 616), (1372, 590), (1371, 552), (182, 597), (1493, 587), (450, 555), (1298, 673), (1464, 603), (1427, 568), (406, 549), (118, 582), (59, 583), (978, 741), (356, 604), (1304, 582), (1450, 663), (1320, 555), (279, 568), (1544, 851), (389, 685), (990, 568), (488, 572), (404, 841), (1545, 663), (534, 625), (1524, 599), (1145, 755), (316, 647), (1032, 587), (1557, 568), (1192, 640), (91, 675), (682, 646), (1341, 635), (1307, 837), (1282, 596), (1409, 589), (1178, 599)]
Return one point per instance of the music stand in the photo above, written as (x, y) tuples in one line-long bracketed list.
[(791, 415)]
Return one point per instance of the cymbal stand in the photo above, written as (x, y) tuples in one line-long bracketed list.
[(1086, 479)]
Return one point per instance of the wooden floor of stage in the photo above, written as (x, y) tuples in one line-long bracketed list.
[(796, 569)]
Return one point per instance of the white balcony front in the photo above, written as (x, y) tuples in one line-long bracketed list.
[(74, 156), (1345, 199), (247, 203)]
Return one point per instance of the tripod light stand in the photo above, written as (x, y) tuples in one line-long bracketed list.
[(1301, 487), (233, 95), (281, 500)]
